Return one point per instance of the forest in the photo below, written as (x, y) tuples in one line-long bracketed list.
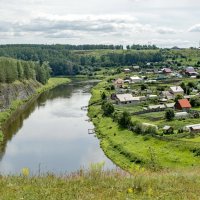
[(72, 60), (12, 70)]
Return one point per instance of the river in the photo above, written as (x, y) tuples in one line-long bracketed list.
[(51, 135)]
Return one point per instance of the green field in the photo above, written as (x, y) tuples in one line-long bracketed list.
[(127, 148)]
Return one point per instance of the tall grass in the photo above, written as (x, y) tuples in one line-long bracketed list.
[(108, 185)]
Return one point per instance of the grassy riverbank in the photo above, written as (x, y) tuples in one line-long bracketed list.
[(99, 185), (5, 115), (127, 148)]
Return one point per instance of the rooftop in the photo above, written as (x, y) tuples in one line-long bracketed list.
[(127, 97), (184, 103), (176, 89)]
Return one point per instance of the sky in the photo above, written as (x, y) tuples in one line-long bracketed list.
[(165, 23)]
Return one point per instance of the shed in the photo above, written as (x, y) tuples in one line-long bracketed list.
[(170, 105), (127, 70), (195, 128), (183, 104), (168, 130)]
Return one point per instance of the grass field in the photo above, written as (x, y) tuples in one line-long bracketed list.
[(126, 148), (95, 184)]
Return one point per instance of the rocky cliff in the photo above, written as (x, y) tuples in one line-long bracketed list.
[(16, 91)]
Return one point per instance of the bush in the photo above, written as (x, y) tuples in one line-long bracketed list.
[(125, 119), (195, 102), (107, 108), (169, 114)]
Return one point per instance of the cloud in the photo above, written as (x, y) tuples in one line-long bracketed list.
[(165, 30), (195, 28), (74, 26)]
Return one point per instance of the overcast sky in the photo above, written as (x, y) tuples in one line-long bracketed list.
[(162, 22)]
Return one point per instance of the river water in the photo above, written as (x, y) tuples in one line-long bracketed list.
[(51, 135)]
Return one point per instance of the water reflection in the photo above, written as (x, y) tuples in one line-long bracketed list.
[(51, 134)]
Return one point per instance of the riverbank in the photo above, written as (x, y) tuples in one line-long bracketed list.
[(16, 104), (102, 185), (127, 148)]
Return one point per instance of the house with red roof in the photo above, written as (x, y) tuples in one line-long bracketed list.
[(183, 104)]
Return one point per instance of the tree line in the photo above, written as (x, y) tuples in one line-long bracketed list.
[(142, 47), (12, 70), (64, 61)]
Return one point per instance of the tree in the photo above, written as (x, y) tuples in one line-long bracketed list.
[(183, 86), (103, 96), (125, 119), (169, 114), (195, 102), (178, 97), (20, 70), (144, 87), (107, 108)]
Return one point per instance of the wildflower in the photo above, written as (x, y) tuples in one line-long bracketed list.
[(25, 171), (150, 191), (130, 190)]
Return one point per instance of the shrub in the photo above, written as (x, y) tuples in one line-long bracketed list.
[(169, 114), (107, 108), (125, 119)]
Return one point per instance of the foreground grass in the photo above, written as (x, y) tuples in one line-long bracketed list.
[(104, 185), (52, 82)]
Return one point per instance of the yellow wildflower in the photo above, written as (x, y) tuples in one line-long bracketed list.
[(130, 190), (25, 171), (150, 191)]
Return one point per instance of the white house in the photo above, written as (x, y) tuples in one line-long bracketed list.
[(127, 99), (175, 90), (135, 79)]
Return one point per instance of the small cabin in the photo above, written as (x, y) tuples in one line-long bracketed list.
[(183, 104), (168, 130)]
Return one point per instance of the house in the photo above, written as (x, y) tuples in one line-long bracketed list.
[(167, 95), (135, 79), (188, 97), (126, 99), (163, 100), (119, 83), (176, 90), (183, 104), (166, 71), (136, 68), (193, 128), (169, 105), (190, 71), (168, 130), (152, 96), (157, 107), (127, 70)]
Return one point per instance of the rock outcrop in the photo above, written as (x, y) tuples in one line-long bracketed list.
[(16, 91)]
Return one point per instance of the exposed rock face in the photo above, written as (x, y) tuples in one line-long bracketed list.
[(16, 91)]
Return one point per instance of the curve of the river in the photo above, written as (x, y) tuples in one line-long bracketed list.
[(51, 135)]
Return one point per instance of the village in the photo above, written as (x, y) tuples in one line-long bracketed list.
[(149, 94)]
